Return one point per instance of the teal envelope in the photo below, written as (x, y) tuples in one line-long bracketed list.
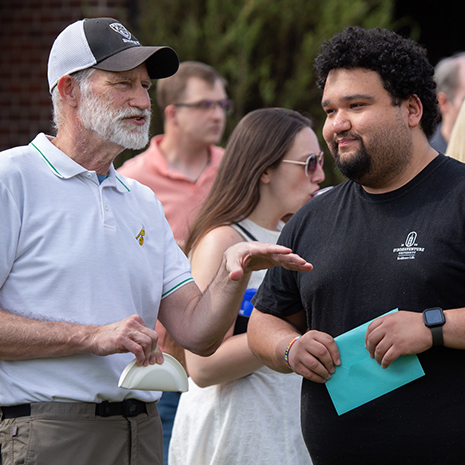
[(360, 379)]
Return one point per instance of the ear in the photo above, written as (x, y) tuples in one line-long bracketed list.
[(415, 110), (170, 114), (265, 178), (443, 102), (69, 90)]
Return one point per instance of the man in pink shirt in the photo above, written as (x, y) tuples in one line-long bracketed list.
[(180, 166)]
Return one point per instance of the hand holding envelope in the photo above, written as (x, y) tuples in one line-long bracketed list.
[(397, 333), (360, 379)]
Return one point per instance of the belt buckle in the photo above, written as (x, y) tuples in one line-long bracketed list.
[(130, 408), (103, 409)]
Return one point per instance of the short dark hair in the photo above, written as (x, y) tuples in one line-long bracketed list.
[(170, 90), (401, 63)]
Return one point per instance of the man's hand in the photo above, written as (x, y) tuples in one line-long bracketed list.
[(128, 335), (314, 356), (253, 256), (396, 334)]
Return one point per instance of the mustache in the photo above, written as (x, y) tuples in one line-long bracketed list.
[(133, 113), (344, 135)]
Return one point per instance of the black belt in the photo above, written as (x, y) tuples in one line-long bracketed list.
[(126, 408)]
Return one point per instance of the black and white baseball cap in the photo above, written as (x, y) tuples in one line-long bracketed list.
[(104, 43)]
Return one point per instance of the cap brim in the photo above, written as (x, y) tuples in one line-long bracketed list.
[(161, 62)]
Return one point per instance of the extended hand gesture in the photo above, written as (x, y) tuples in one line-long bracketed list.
[(253, 256)]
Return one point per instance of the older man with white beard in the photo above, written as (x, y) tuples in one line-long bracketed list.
[(97, 113), (88, 264)]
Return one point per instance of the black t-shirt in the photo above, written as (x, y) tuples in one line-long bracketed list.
[(373, 253)]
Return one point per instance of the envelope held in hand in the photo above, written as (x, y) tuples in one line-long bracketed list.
[(360, 379)]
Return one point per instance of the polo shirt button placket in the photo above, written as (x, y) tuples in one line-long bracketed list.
[(108, 218)]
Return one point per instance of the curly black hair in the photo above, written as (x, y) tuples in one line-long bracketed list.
[(402, 64)]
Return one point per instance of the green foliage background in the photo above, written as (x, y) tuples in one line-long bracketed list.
[(264, 48)]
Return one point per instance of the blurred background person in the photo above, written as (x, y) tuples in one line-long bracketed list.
[(238, 411), (180, 166), (450, 78), (456, 146)]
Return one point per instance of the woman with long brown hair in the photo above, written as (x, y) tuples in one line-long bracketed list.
[(238, 411)]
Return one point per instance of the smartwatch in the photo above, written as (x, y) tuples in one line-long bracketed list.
[(434, 319)]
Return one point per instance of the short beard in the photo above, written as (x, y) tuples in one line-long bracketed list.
[(390, 150), (357, 166), (97, 114)]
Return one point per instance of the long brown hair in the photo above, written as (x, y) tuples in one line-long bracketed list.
[(258, 143)]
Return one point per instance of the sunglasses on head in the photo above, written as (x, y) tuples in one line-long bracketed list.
[(310, 164)]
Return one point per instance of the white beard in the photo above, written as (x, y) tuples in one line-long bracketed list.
[(97, 114)]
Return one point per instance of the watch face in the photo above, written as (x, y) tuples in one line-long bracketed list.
[(434, 317)]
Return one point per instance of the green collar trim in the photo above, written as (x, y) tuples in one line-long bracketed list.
[(124, 185), (48, 162)]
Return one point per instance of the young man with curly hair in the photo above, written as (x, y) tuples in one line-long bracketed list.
[(394, 238)]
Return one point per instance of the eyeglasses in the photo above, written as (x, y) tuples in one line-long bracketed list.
[(207, 105), (310, 164)]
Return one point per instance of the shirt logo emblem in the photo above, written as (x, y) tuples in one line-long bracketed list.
[(140, 236), (411, 238), (409, 249)]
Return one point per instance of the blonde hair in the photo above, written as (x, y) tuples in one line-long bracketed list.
[(456, 145)]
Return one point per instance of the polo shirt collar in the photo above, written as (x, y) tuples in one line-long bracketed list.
[(64, 167)]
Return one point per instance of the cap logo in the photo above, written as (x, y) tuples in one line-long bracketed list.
[(120, 29)]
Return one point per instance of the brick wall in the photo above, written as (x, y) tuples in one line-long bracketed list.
[(28, 29)]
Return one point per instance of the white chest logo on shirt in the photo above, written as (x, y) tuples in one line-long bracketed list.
[(140, 236), (409, 249)]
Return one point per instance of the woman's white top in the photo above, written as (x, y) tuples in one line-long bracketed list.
[(251, 420)]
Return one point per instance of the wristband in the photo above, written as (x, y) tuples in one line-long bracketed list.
[(286, 353)]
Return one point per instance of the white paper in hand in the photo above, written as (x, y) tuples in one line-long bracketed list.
[(170, 376)]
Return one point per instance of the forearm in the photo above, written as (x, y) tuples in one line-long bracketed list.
[(201, 325), (24, 338), (199, 322), (268, 338), (454, 328), (221, 302), (232, 360), (227, 289)]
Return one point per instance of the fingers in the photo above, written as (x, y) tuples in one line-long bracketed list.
[(378, 345), (373, 337), (396, 334), (143, 344), (128, 335), (315, 356), (253, 256)]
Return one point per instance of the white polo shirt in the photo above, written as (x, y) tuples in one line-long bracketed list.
[(78, 251)]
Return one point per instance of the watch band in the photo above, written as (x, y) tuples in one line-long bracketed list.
[(434, 319), (438, 338)]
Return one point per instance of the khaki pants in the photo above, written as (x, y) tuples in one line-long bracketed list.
[(59, 433)]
